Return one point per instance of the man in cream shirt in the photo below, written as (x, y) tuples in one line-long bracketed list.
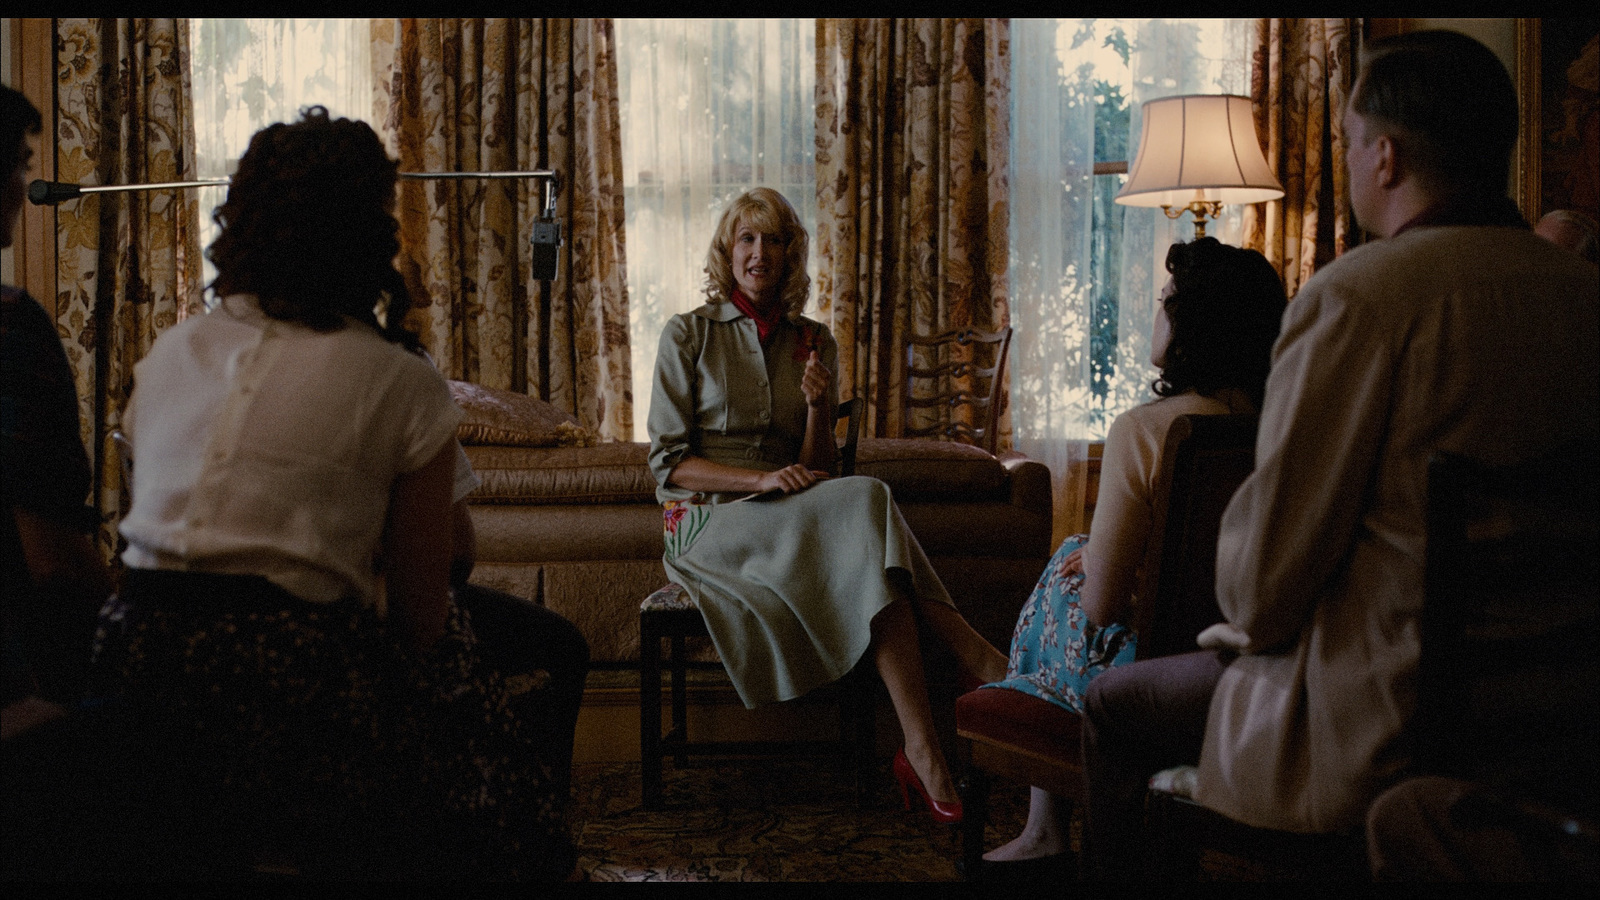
[(1459, 330)]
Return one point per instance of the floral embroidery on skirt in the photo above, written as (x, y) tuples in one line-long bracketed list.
[(681, 522)]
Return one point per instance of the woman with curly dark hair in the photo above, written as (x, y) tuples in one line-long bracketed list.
[(1214, 329), (308, 228), (1218, 320), (286, 626)]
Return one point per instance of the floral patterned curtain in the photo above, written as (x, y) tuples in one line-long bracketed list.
[(514, 95), (1300, 80), (912, 118), (128, 261)]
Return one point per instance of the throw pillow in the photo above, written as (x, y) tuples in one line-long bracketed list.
[(506, 418)]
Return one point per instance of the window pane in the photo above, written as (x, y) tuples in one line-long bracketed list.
[(710, 108), (1085, 271), (249, 73)]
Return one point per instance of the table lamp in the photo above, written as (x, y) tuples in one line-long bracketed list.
[(1197, 153)]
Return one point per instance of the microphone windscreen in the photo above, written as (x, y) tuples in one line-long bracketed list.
[(49, 193)]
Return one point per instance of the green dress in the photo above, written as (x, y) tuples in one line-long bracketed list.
[(788, 585)]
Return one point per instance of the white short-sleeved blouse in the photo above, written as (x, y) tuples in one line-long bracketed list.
[(268, 448)]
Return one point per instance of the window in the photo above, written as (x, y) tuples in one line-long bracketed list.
[(1085, 271), (710, 108), (248, 73)]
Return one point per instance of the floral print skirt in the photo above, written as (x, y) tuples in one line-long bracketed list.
[(1055, 650), (308, 719)]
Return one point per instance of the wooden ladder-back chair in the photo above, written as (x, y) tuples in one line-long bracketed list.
[(670, 615), (1012, 735), (956, 378), (1510, 658), (1510, 654), (1511, 624)]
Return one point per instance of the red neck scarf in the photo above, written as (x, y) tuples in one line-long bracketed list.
[(766, 320)]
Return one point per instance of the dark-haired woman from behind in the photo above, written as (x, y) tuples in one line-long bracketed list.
[(286, 626), (1215, 325)]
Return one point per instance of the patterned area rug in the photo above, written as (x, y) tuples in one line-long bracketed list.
[(766, 820)]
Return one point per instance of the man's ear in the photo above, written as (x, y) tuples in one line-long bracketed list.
[(1388, 164)]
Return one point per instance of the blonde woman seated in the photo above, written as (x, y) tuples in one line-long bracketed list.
[(799, 575), (1213, 337)]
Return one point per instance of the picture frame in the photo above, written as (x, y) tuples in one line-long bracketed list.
[(1556, 160)]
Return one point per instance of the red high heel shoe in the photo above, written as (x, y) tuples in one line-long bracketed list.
[(943, 813)]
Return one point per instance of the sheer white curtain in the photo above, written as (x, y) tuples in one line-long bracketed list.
[(1052, 171), (1085, 274), (249, 73), (710, 109)]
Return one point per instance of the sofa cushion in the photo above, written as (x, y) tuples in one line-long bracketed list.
[(604, 473), (931, 470), (507, 418), (537, 533)]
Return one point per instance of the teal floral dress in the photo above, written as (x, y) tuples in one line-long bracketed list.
[(1055, 650)]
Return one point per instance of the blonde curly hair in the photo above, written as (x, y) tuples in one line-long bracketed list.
[(765, 210)]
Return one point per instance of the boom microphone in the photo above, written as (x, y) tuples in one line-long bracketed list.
[(546, 234), (49, 193), (42, 193)]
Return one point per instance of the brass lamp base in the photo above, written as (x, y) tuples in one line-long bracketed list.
[(1202, 210)]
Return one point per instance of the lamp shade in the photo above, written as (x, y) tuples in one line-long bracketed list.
[(1199, 147)]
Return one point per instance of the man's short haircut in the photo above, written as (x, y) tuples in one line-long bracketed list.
[(1449, 103)]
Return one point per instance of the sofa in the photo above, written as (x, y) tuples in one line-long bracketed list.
[(574, 524)]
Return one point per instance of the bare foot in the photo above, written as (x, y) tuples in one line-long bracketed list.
[(1024, 846), (1047, 832)]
